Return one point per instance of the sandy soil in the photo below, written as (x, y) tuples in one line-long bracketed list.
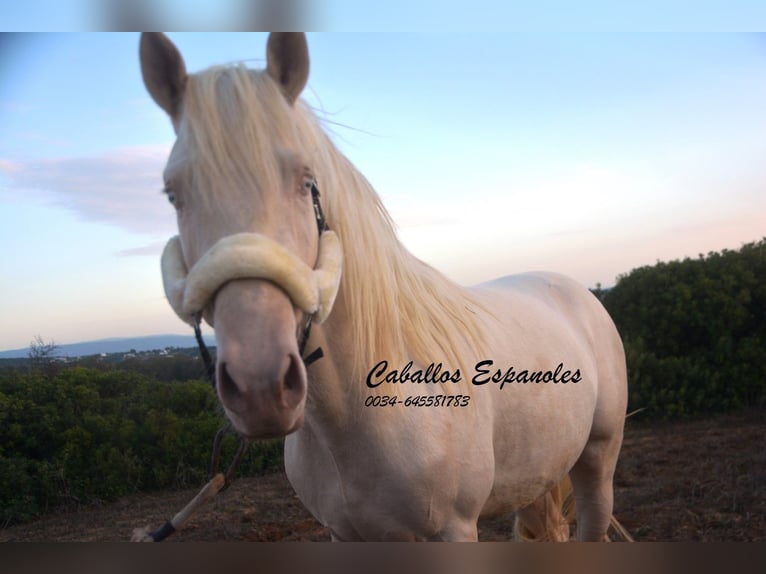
[(702, 480)]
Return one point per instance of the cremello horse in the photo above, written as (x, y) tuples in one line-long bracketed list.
[(513, 384)]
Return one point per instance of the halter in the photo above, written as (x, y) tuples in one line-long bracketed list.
[(251, 255), (241, 256)]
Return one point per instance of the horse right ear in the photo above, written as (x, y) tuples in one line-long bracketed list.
[(287, 62), (163, 70)]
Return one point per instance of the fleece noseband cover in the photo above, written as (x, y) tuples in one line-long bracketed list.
[(253, 256)]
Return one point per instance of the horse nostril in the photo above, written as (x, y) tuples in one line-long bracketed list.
[(294, 381), (226, 384)]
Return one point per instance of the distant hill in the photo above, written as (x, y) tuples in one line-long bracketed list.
[(150, 343)]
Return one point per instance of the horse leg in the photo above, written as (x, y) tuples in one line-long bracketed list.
[(460, 531), (592, 477)]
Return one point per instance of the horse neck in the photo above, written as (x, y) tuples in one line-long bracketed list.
[(390, 305), (334, 388)]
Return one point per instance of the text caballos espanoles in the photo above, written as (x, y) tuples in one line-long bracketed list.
[(484, 372)]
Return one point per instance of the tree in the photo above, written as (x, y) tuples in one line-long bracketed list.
[(41, 354)]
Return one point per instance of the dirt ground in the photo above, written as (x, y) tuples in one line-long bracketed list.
[(701, 480)]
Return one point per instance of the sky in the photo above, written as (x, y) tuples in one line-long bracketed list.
[(587, 154), (392, 15)]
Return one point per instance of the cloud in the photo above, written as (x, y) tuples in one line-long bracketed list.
[(119, 188), (151, 249)]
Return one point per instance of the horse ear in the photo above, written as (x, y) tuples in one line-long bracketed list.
[(287, 57), (163, 70)]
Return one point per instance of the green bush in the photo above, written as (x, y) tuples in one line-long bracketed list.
[(84, 434), (694, 332)]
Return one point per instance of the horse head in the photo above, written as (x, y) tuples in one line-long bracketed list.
[(250, 256)]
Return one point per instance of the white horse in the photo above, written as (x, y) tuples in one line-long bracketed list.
[(513, 384)]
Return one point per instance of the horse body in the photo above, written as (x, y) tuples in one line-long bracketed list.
[(247, 150), (408, 475), (542, 431)]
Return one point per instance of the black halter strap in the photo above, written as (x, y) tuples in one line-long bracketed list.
[(318, 213), (322, 226), (204, 353)]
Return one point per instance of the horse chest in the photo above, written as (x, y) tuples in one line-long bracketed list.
[(406, 495)]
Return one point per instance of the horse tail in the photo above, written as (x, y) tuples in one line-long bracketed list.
[(556, 512), (550, 517)]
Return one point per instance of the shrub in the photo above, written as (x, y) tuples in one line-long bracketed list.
[(694, 332), (85, 434)]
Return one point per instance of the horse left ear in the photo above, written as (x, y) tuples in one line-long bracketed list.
[(287, 57)]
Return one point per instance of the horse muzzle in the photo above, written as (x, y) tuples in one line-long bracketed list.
[(262, 387)]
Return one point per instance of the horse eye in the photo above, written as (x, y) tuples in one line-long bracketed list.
[(308, 183), (171, 195)]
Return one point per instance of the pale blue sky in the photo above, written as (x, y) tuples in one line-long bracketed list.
[(395, 15), (495, 153)]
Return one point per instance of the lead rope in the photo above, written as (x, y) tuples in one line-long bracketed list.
[(219, 481)]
